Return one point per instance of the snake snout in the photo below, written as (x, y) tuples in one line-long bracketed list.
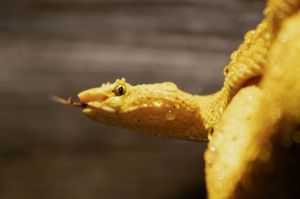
[(92, 95)]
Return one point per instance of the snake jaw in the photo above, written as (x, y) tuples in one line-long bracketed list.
[(95, 98)]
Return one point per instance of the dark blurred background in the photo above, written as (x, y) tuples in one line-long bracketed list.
[(64, 46)]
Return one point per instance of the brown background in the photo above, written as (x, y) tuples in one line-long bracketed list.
[(63, 46)]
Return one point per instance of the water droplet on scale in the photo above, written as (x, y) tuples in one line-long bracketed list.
[(212, 148), (158, 103), (170, 115), (221, 109)]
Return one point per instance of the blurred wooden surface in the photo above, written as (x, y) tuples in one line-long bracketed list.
[(62, 47)]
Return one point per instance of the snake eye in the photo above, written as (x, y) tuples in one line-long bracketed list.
[(120, 90)]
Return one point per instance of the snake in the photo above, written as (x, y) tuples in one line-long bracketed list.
[(246, 122), (163, 110)]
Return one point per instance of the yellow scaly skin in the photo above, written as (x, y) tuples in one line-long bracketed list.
[(254, 136), (158, 109), (164, 110), (254, 153)]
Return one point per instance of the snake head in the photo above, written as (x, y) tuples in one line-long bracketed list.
[(159, 109), (108, 98), (120, 98)]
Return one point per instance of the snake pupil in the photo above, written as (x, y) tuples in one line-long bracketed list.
[(121, 90)]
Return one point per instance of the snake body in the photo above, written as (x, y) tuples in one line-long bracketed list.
[(255, 116), (164, 110)]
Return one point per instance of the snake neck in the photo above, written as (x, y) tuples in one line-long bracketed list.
[(212, 108), (245, 68)]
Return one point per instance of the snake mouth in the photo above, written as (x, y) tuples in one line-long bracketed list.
[(89, 100), (95, 99)]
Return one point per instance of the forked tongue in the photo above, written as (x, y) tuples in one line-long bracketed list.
[(68, 102)]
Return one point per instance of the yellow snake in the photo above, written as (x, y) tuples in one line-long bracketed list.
[(164, 110), (260, 100)]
